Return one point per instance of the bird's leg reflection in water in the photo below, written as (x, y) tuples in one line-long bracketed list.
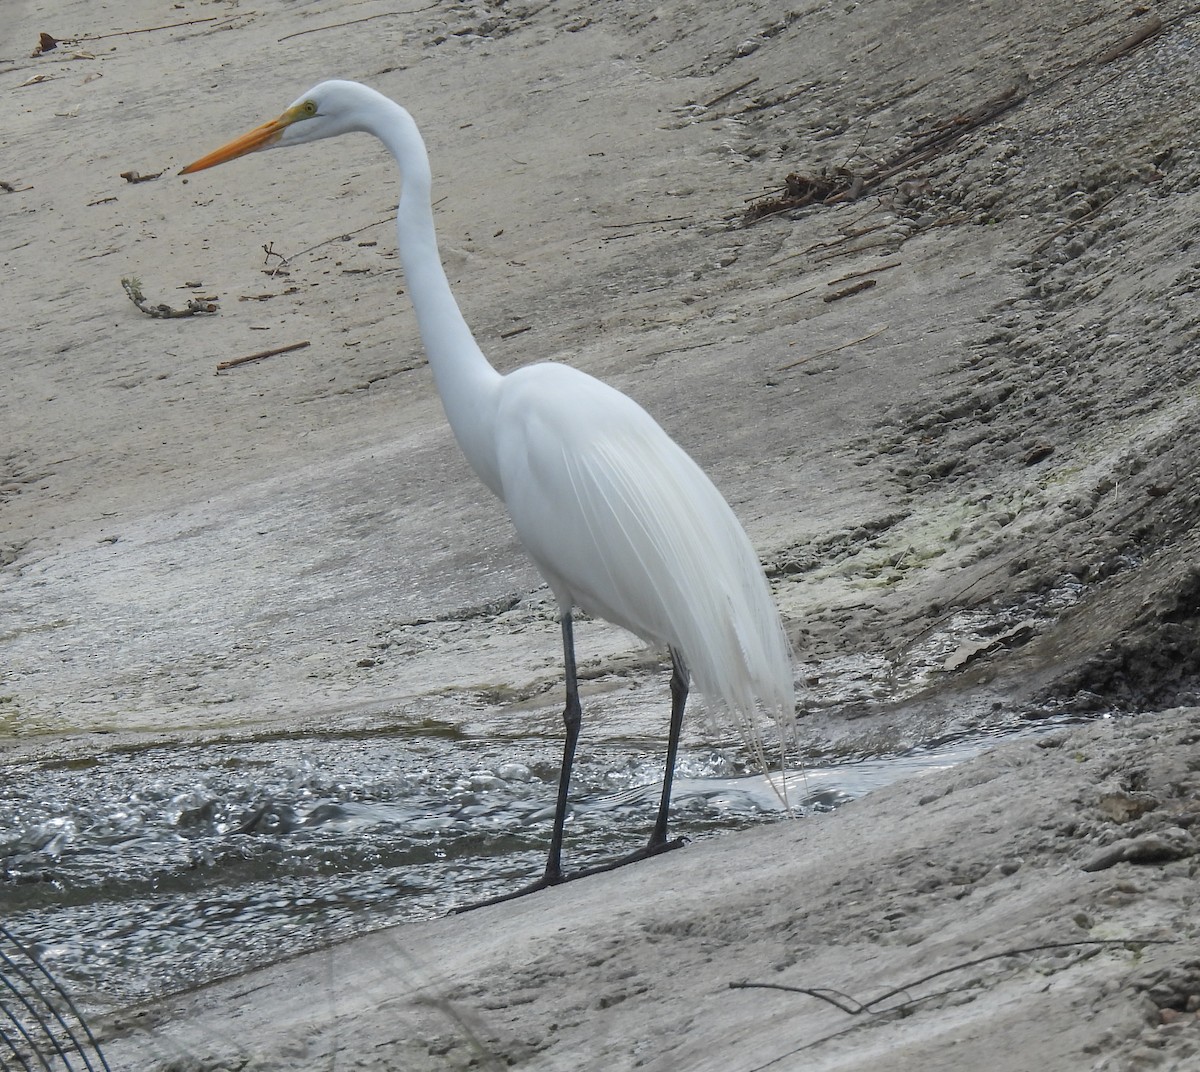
[(572, 720)]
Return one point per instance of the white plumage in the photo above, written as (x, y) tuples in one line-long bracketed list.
[(625, 526), (616, 516)]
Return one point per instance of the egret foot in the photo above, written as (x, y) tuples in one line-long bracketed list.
[(652, 849), (542, 883), (546, 881)]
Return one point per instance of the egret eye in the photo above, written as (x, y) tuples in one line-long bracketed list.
[(309, 109)]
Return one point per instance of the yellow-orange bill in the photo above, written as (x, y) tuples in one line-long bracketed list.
[(258, 138)]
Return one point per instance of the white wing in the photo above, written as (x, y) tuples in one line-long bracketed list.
[(623, 524)]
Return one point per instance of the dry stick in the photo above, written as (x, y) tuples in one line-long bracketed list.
[(223, 365), (730, 92), (680, 349), (645, 223), (874, 208), (762, 105), (864, 271), (352, 22), (833, 349), (798, 294), (852, 192), (781, 211), (147, 29), (846, 292), (1102, 942), (284, 261), (1143, 33), (844, 237), (834, 254), (854, 1007)]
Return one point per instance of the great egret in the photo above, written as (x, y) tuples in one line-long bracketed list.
[(619, 520)]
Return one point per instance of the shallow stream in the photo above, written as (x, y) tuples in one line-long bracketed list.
[(149, 870)]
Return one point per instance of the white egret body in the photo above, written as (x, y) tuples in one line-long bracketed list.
[(619, 520)]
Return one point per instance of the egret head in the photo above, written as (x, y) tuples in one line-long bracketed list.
[(325, 111)]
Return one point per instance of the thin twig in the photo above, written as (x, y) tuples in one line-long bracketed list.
[(681, 349), (798, 294), (146, 29), (645, 223), (223, 365), (730, 92), (836, 998), (886, 241), (833, 349), (284, 261), (864, 271), (854, 1007), (847, 235), (353, 22), (1102, 942)]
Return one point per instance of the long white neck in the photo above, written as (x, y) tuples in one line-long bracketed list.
[(468, 385)]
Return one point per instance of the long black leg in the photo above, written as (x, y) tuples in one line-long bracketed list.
[(679, 695), (658, 836), (572, 717)]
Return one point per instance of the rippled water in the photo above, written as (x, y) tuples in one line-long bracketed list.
[(145, 871), (148, 870)]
